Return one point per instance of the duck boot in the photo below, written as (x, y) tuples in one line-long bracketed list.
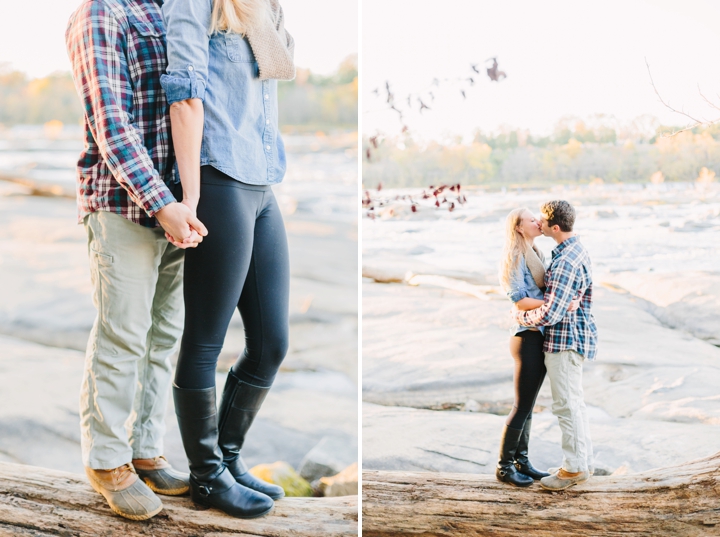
[(240, 404), (506, 471), (124, 492), (211, 483), (161, 477)]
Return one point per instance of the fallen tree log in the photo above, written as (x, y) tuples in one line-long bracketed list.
[(41, 502), (681, 500)]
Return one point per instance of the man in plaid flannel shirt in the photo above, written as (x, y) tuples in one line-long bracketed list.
[(570, 338), (126, 202)]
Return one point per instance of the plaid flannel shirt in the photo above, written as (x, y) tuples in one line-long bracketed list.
[(569, 275), (117, 50)]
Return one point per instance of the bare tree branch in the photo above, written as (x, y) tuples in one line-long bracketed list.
[(697, 122), (716, 107)]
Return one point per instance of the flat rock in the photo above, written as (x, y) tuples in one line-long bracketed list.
[(427, 348), (399, 438), (40, 423), (46, 300), (688, 301), (47, 292), (653, 389)]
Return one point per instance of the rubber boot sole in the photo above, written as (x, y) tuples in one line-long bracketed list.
[(166, 492), (117, 511), (516, 486), (199, 500), (513, 484), (564, 488), (567, 487)]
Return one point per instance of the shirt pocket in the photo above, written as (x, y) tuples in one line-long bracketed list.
[(146, 53), (144, 28), (238, 49)]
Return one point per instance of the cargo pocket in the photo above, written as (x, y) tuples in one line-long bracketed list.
[(102, 260)]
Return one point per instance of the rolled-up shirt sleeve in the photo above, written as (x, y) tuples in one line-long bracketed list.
[(518, 290), (187, 23)]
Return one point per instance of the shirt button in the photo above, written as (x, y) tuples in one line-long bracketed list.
[(267, 122), (190, 68), (267, 96), (267, 147)]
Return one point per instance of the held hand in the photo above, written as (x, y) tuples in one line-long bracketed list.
[(574, 304), (179, 222), (191, 242)]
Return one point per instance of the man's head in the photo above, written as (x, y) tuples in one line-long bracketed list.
[(557, 218)]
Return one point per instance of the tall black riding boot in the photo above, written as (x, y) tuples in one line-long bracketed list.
[(211, 484), (506, 471), (240, 404), (522, 463)]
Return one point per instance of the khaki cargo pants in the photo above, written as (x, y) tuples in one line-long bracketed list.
[(564, 369), (137, 291)]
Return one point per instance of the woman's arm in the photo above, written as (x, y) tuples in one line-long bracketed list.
[(186, 121), (187, 49)]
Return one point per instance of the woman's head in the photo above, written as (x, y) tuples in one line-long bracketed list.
[(525, 224), (521, 227), (239, 16)]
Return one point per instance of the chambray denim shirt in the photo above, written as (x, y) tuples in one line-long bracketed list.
[(241, 137), (522, 285)]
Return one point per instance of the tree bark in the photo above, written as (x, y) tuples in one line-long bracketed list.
[(679, 501), (41, 502)]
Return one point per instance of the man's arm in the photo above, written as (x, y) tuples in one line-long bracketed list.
[(558, 295), (97, 47), (527, 303)]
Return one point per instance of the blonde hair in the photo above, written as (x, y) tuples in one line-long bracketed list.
[(515, 246), (239, 16)]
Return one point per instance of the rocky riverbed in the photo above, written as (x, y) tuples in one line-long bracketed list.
[(437, 375), (46, 314)]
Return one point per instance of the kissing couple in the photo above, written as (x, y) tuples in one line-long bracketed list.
[(555, 333)]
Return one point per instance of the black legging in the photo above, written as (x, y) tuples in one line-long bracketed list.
[(242, 263), (529, 375)]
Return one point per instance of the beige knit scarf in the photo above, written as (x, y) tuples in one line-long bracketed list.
[(535, 261), (273, 47)]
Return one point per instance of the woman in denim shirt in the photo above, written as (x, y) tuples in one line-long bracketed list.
[(224, 57), (522, 275)]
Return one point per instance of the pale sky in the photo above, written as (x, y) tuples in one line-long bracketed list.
[(562, 57), (32, 34)]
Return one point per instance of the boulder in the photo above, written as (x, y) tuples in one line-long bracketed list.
[(329, 457), (282, 474), (343, 484)]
